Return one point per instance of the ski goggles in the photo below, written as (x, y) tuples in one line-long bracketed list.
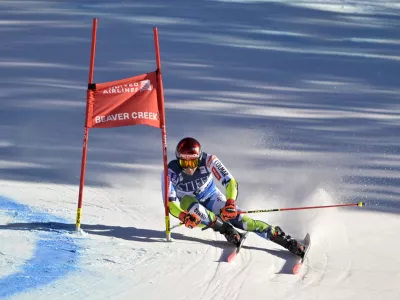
[(189, 163)]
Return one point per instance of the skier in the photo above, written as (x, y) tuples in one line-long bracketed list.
[(197, 202)]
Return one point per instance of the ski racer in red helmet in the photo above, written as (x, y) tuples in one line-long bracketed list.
[(197, 202)]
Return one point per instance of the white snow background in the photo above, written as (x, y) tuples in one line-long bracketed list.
[(299, 99)]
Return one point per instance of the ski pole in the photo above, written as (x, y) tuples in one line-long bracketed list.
[(177, 225), (360, 204)]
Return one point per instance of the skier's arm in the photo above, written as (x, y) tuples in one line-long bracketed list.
[(175, 208), (229, 211), (222, 174), (174, 204), (232, 189)]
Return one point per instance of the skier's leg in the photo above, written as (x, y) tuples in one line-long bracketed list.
[(209, 219), (191, 205), (286, 241), (269, 232), (217, 202), (272, 233)]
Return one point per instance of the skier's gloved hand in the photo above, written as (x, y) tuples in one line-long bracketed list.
[(190, 220), (229, 211)]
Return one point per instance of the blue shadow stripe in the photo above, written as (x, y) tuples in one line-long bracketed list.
[(55, 253)]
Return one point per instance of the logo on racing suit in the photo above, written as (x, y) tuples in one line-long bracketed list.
[(194, 185), (221, 168), (200, 214), (216, 173)]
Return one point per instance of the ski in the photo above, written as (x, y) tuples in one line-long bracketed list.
[(307, 244), (238, 247)]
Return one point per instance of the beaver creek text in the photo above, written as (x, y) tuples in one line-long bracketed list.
[(126, 116)]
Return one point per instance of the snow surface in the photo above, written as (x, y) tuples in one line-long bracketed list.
[(299, 99)]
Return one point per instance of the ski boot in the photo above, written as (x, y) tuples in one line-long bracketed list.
[(225, 228), (287, 242)]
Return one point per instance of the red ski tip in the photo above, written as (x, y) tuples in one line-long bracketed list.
[(297, 268), (232, 256)]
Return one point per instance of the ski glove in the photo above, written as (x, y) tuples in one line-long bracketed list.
[(229, 211), (190, 220)]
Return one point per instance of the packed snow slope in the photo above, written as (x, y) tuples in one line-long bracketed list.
[(299, 99)]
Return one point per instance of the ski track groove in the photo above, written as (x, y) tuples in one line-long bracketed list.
[(107, 195), (320, 275), (240, 274), (214, 275), (246, 274), (198, 261)]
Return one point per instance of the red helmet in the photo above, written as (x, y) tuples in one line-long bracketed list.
[(188, 152)]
